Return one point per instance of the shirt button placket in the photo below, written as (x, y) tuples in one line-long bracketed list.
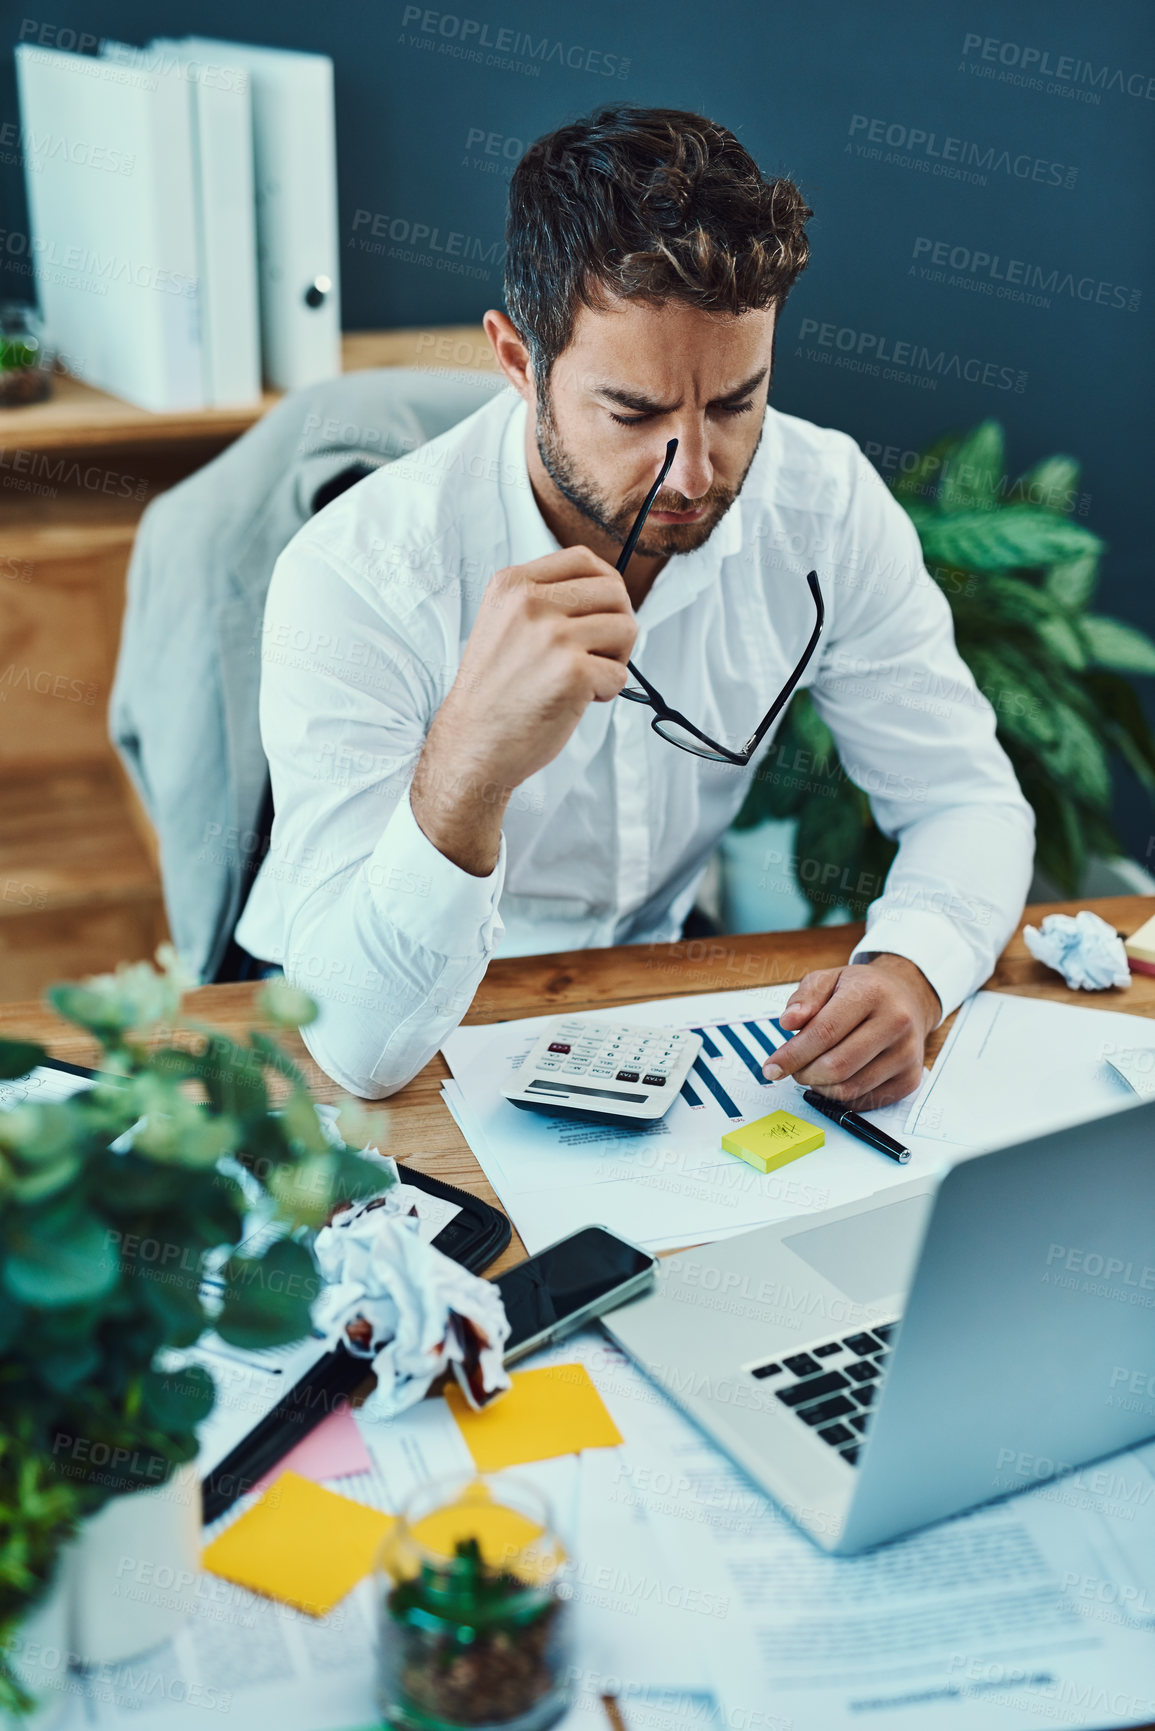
[(632, 798)]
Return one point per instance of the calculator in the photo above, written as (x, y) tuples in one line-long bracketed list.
[(606, 1072)]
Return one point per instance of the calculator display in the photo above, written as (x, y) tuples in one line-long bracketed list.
[(566, 1278)]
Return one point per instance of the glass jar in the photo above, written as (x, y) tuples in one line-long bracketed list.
[(473, 1613), (25, 361)]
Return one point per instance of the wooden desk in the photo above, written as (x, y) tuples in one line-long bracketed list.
[(417, 1128)]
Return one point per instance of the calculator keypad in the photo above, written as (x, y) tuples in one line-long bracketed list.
[(610, 1053)]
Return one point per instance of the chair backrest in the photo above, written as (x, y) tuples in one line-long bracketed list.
[(184, 709)]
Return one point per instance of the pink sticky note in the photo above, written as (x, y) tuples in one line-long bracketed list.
[(334, 1450)]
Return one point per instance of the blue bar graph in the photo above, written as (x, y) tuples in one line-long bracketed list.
[(708, 1045), (761, 1036), (744, 1052), (689, 1096), (716, 1088)]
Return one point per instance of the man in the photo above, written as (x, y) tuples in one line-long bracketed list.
[(453, 772)]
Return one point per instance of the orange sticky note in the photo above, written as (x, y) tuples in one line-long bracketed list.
[(300, 1544), (548, 1412)]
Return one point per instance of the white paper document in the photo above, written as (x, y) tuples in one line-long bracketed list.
[(670, 1183), (45, 1084), (1033, 1612), (700, 1608), (1014, 1067)]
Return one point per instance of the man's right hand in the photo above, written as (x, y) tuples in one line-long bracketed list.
[(550, 638)]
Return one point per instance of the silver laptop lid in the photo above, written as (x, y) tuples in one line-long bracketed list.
[(1031, 1313)]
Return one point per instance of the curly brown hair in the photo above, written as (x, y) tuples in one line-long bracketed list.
[(656, 203)]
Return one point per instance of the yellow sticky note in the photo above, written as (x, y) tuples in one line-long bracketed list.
[(1140, 946), (774, 1140), (300, 1544), (503, 1534), (552, 1411)]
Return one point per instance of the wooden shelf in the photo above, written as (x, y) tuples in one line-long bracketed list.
[(78, 418)]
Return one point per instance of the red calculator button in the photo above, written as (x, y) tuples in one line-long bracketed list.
[(559, 1046)]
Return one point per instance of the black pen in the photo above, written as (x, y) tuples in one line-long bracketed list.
[(857, 1126)]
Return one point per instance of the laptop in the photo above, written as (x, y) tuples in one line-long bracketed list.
[(945, 1342)]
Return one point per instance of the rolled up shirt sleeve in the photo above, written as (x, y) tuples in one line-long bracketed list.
[(916, 734), (387, 935)]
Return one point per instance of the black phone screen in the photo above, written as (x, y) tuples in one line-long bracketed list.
[(549, 1287)]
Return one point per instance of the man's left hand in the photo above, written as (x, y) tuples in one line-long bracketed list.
[(863, 1031)]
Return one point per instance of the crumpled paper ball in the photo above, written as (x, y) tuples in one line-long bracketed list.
[(390, 1298), (1082, 947)]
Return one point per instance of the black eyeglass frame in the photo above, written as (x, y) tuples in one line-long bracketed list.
[(650, 694)]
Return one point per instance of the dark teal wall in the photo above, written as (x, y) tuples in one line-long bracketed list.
[(1050, 107)]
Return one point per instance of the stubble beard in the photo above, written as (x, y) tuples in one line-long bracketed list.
[(658, 541)]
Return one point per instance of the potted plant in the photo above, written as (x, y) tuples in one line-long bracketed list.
[(113, 1205), (1020, 575)]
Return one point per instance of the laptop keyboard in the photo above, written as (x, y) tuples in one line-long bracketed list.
[(832, 1387)]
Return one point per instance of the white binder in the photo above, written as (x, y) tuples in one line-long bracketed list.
[(220, 110), (114, 228), (295, 160)]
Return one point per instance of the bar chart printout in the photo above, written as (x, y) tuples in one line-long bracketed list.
[(729, 1050)]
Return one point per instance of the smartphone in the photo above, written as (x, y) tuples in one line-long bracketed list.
[(565, 1286)]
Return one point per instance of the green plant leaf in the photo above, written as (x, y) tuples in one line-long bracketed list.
[(1064, 641), (1118, 646), (305, 1191), (286, 1006), (1076, 759), (802, 758), (1124, 718), (1059, 848), (89, 1010), (1019, 537), (302, 1125), (59, 1256), (1053, 485), (46, 1178), (829, 840), (18, 1057), (972, 473), (1072, 582), (923, 480), (267, 1299), (42, 1132), (272, 1055), (308, 1191), (176, 1401), (1013, 601)]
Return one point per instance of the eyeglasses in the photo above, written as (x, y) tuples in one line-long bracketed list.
[(669, 724)]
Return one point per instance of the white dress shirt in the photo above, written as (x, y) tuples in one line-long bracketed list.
[(368, 612)]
